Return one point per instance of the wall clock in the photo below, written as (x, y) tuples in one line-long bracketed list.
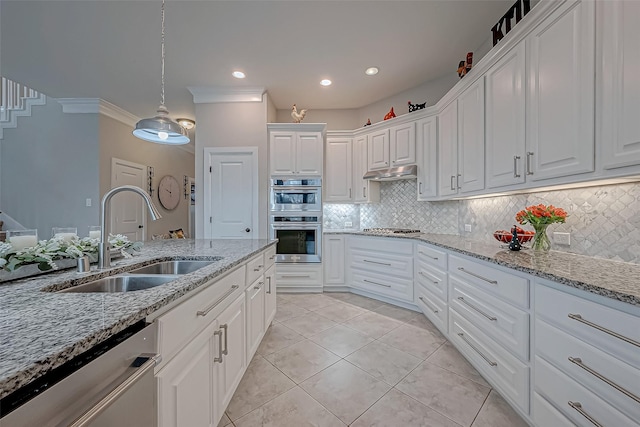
[(169, 192)]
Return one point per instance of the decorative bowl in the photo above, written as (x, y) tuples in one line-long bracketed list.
[(505, 236)]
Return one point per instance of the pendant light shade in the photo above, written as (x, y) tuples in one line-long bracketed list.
[(161, 129)]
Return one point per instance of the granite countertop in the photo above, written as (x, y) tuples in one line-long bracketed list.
[(612, 279), (41, 330)]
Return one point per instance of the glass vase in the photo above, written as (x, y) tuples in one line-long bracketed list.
[(541, 241)]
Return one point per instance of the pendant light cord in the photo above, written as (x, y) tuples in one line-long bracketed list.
[(162, 56)]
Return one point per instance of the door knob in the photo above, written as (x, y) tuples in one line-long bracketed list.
[(141, 226), (248, 230)]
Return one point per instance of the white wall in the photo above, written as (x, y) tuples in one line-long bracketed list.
[(335, 119)]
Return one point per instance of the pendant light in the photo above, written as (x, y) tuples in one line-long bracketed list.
[(161, 129)]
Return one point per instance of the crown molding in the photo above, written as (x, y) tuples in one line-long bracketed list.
[(97, 106), (219, 94)]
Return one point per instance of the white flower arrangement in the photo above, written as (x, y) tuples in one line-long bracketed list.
[(45, 252)]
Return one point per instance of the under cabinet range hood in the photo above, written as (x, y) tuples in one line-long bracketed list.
[(393, 174)]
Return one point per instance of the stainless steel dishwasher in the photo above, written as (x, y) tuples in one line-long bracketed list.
[(112, 384)]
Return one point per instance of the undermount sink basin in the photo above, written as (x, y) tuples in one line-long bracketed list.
[(123, 283), (173, 267)]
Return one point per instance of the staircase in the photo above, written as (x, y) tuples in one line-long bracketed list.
[(16, 101)]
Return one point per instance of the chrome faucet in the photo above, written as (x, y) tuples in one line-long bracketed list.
[(104, 258)]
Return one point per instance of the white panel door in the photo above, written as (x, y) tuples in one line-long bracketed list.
[(560, 102), (282, 149), (309, 147), (231, 193), (471, 138), (338, 174), (402, 144), (128, 210), (378, 149), (448, 150), (427, 152)]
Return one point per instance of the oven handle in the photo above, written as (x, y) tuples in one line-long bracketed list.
[(151, 361), (296, 189), (297, 225)]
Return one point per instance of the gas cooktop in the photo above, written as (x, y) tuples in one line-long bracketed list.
[(389, 230)]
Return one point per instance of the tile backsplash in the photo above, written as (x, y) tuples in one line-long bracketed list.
[(603, 221)]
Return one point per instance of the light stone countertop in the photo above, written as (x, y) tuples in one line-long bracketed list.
[(611, 279), (42, 330)]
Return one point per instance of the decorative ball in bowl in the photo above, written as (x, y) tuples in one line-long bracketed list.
[(505, 236)]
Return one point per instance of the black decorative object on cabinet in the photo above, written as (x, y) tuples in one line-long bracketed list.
[(519, 9)]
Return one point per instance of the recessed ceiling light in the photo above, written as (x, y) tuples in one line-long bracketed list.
[(238, 74), (371, 71), (325, 82)]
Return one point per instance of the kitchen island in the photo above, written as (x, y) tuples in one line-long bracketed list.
[(41, 330)]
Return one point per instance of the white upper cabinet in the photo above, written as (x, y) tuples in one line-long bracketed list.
[(426, 149), (364, 190), (560, 101), (338, 171), (402, 144), (295, 152), (505, 120), (619, 111), (378, 149), (309, 153), (282, 146), (471, 138), (448, 150)]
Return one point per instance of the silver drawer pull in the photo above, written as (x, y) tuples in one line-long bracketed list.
[(219, 358), (377, 262), (486, 359), (269, 288), (578, 407), (515, 166), (89, 416), (578, 361), (226, 332), (212, 306), (603, 329), (428, 276), (296, 275), (493, 282), (492, 318), (256, 287), (428, 256), (529, 167), (376, 283), (424, 301)]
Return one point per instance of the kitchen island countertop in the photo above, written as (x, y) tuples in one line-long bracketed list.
[(41, 330)]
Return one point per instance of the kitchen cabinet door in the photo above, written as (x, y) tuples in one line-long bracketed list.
[(270, 306), (338, 171), (426, 149), (364, 190), (471, 138), (282, 146), (402, 144), (255, 296), (619, 135), (334, 256), (309, 147), (560, 94), (448, 150), (505, 119), (378, 149)]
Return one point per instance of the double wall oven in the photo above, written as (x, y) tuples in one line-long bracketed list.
[(295, 219)]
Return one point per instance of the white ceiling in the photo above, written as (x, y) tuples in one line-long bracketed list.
[(111, 49)]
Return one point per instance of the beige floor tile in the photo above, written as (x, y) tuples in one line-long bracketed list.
[(294, 408), (363, 302), (339, 312), (372, 324), (422, 322), (286, 311), (496, 412), (311, 301), (449, 358), (345, 390), (340, 296), (397, 313), (224, 421), (450, 394), (278, 337), (261, 383), (415, 341), (396, 409), (302, 360), (384, 362), (309, 324), (341, 340)]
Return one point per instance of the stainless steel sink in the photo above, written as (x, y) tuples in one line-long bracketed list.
[(173, 267), (123, 283)]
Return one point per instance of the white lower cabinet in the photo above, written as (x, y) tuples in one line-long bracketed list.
[(255, 296), (299, 277), (269, 295), (333, 261)]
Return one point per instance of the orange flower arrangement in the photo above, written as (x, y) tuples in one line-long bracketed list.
[(541, 214)]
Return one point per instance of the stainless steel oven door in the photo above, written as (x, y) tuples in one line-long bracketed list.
[(296, 199), (298, 242)]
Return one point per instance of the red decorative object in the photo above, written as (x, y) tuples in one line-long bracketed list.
[(465, 66), (368, 122), (505, 236), (390, 114)]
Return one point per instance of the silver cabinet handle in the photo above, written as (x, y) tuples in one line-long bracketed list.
[(429, 276), (226, 333), (578, 361), (424, 301), (529, 167), (486, 359), (419, 188), (578, 407), (364, 192), (376, 283), (377, 262), (151, 361), (219, 358), (493, 282), (428, 256), (579, 318), (492, 318), (272, 257), (296, 275), (349, 193), (269, 288), (259, 267), (515, 166), (458, 181), (256, 287), (218, 301), (452, 178)]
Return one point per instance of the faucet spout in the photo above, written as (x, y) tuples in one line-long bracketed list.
[(104, 258)]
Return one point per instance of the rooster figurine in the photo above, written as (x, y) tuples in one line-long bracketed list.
[(297, 117)]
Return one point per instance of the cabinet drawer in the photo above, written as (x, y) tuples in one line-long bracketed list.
[(399, 288), (434, 308), (179, 325), (507, 325), (384, 263), (609, 378), (387, 245), (432, 256), (269, 257), (507, 286), (544, 414), (255, 268), (574, 401), (508, 374), (432, 279), (298, 275), (610, 330)]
